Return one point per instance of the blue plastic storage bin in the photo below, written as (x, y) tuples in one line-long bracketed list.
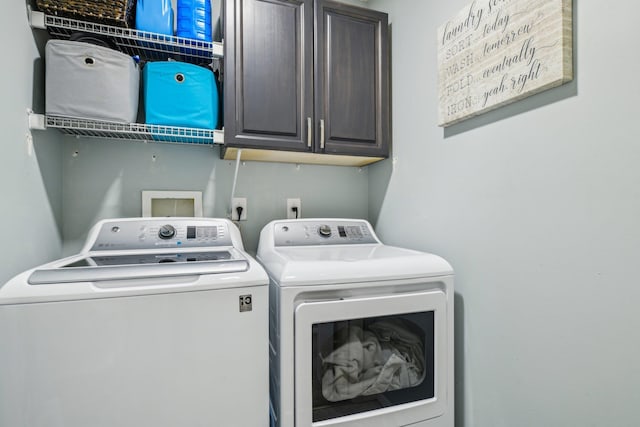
[(179, 94), (155, 16), (194, 19)]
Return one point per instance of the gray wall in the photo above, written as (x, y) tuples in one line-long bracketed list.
[(30, 176), (537, 207), (104, 179)]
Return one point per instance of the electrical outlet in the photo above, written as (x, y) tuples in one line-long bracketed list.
[(242, 203), (291, 204)]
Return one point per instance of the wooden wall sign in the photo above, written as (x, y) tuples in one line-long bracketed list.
[(495, 52)]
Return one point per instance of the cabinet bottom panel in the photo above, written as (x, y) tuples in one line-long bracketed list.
[(252, 154)]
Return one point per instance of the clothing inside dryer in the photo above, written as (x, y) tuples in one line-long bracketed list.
[(365, 364)]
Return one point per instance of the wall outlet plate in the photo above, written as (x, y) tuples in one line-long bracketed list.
[(239, 202), (294, 203)]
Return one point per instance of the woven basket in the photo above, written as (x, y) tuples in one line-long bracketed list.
[(120, 13)]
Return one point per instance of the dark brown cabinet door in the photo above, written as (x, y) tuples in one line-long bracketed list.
[(351, 80), (305, 75), (269, 74)]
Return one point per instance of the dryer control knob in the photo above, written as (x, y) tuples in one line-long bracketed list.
[(166, 232), (324, 231)]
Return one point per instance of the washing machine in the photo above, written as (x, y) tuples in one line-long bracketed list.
[(156, 322), (361, 333)]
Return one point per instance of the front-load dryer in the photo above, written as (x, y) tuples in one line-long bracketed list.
[(361, 333), (157, 322)]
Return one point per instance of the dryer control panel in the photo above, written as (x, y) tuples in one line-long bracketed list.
[(323, 232), (161, 233)]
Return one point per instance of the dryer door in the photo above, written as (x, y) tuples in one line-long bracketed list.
[(380, 360)]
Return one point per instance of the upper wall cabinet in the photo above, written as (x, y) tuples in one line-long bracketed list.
[(307, 77)]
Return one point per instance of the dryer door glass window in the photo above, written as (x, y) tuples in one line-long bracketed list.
[(372, 363)]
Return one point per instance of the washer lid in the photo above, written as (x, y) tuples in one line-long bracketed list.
[(291, 266), (102, 266)]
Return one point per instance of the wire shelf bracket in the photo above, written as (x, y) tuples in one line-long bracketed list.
[(36, 121)]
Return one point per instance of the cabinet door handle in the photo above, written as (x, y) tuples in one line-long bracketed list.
[(309, 129), (322, 134)]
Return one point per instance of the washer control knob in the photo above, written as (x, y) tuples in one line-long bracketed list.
[(324, 230), (166, 232)]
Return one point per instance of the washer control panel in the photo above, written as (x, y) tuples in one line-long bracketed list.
[(161, 233), (323, 232)]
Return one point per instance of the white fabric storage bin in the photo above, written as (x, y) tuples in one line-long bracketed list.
[(90, 82)]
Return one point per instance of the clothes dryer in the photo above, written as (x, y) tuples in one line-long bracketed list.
[(361, 333), (156, 322)]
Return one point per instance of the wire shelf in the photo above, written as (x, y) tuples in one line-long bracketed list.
[(149, 46), (134, 131)]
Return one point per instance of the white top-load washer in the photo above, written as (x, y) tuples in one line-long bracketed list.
[(156, 322), (361, 333)]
